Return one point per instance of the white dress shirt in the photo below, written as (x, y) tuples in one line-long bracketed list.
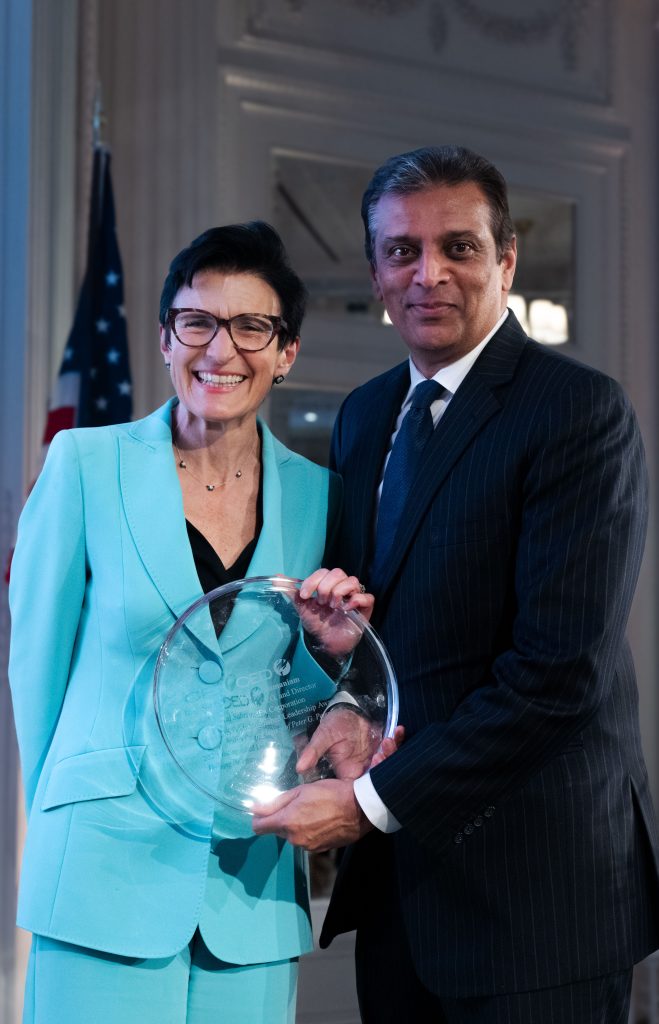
[(450, 377)]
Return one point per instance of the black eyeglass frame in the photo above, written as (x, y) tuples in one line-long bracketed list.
[(276, 322)]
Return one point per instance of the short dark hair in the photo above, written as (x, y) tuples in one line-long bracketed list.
[(253, 248), (439, 165)]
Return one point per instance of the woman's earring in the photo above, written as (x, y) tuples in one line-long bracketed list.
[(167, 365), (279, 379)]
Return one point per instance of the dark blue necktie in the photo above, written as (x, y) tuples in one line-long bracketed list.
[(415, 432)]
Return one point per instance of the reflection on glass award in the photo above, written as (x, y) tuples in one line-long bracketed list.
[(244, 679)]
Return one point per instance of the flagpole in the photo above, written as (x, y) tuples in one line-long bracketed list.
[(100, 156), (93, 387), (98, 119)]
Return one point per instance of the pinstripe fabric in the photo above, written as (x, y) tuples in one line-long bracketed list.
[(382, 952), (594, 1001), (527, 854)]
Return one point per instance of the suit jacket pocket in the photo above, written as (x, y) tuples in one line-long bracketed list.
[(94, 775)]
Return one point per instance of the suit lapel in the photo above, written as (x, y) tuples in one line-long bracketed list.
[(268, 557), (153, 505), (154, 510), (373, 437), (479, 397)]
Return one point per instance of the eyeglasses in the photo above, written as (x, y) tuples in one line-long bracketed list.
[(249, 332)]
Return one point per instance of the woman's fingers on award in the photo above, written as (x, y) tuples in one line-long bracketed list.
[(389, 746), (336, 633), (333, 588), (323, 602)]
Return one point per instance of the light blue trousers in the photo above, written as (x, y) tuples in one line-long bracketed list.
[(72, 985)]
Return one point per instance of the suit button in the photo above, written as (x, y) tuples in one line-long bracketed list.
[(209, 737), (209, 672), (468, 829), (488, 812), (478, 820), (458, 837)]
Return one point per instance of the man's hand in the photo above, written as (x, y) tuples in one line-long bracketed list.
[(318, 817), (348, 741)]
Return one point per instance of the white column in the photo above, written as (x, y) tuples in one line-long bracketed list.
[(15, 94), (54, 200)]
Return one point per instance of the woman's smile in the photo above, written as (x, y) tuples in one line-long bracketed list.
[(218, 380)]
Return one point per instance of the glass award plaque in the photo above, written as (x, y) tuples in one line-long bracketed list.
[(246, 676)]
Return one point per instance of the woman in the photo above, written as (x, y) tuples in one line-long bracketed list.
[(134, 917)]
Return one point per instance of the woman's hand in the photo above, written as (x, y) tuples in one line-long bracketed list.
[(321, 600), (335, 589), (389, 746)]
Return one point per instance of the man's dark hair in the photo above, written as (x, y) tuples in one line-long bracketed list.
[(439, 165), (253, 248)]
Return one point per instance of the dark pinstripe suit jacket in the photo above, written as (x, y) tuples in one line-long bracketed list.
[(527, 854)]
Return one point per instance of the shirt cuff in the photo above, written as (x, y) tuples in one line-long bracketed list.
[(342, 697), (372, 806)]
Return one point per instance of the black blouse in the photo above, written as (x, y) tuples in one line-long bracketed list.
[(210, 568)]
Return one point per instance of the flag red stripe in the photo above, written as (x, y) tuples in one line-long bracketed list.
[(58, 419)]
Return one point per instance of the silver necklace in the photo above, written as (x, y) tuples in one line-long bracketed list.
[(211, 487)]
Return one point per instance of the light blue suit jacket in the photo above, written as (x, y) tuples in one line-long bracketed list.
[(102, 569)]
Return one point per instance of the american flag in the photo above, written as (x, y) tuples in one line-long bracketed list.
[(94, 387)]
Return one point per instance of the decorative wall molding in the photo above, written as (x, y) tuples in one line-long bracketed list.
[(565, 18), (560, 46)]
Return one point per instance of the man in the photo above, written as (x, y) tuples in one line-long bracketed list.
[(505, 869)]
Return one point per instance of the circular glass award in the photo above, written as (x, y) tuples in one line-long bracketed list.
[(249, 674)]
